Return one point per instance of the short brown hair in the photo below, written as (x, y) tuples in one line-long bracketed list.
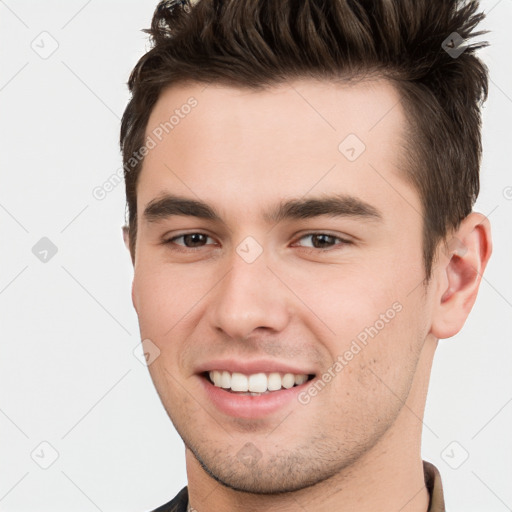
[(260, 43)]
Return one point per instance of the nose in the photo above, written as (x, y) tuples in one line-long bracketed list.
[(249, 297)]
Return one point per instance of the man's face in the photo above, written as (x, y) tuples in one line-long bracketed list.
[(242, 289)]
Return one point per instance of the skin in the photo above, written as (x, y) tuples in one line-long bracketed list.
[(356, 444)]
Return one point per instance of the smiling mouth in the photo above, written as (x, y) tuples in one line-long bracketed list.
[(255, 384)]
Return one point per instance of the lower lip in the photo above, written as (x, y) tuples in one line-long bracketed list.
[(249, 406)]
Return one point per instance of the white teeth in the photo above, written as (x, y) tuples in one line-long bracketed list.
[(300, 379), (239, 382), (257, 382), (288, 380), (215, 377), (274, 381), (226, 380)]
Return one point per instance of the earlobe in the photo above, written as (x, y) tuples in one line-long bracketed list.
[(459, 272)]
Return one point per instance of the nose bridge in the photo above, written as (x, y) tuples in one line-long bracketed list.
[(249, 296)]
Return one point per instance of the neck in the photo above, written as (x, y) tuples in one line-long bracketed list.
[(391, 473)]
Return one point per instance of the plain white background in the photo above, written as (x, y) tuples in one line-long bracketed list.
[(69, 375)]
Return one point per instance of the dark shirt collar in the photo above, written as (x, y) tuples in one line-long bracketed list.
[(434, 486)]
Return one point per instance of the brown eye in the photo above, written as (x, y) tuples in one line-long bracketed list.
[(190, 240), (322, 241)]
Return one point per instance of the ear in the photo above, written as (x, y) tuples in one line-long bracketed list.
[(134, 302), (126, 236), (459, 274)]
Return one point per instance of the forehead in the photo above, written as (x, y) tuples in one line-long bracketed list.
[(223, 142)]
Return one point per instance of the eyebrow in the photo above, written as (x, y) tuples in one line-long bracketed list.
[(305, 208)]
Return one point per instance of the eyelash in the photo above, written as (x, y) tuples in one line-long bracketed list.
[(181, 248)]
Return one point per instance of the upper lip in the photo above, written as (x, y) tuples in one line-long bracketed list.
[(250, 367)]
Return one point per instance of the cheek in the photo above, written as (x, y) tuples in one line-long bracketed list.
[(374, 378), (383, 357), (343, 300), (371, 324), (163, 298), (169, 303)]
